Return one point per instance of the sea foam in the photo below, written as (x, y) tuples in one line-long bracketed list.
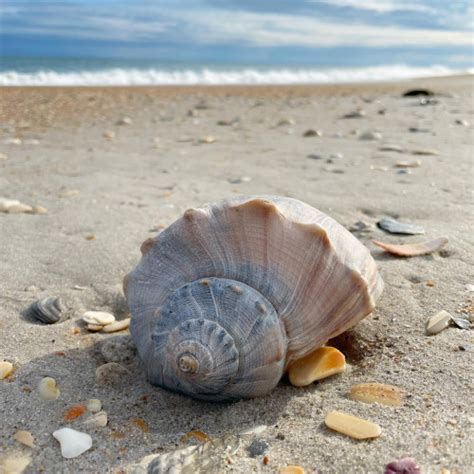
[(208, 76)]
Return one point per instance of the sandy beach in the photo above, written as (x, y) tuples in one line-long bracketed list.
[(113, 166)]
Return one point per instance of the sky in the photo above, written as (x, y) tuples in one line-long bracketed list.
[(332, 32)]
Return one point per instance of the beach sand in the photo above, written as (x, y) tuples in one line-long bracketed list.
[(105, 196)]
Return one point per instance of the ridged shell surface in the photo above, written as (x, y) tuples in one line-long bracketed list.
[(311, 276)]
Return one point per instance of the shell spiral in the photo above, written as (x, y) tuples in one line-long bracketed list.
[(227, 296)]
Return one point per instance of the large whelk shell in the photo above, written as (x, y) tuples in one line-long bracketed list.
[(228, 296)]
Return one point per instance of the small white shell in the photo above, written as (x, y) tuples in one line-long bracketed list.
[(73, 443), (100, 318)]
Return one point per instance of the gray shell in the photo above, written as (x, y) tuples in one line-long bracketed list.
[(229, 295)]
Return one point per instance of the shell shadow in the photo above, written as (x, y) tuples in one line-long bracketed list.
[(142, 419)]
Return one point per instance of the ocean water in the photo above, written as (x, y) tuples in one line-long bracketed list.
[(114, 72)]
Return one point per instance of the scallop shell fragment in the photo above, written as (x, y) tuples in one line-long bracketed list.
[(378, 393), (73, 443), (47, 310), (352, 426), (322, 363), (412, 250), (25, 437)]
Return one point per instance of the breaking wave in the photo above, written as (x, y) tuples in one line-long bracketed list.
[(209, 76)]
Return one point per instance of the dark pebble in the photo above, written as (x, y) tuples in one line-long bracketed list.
[(258, 447)]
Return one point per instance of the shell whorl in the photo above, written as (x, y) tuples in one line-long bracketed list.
[(278, 276), (207, 339)]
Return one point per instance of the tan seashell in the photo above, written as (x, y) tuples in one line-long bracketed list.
[(323, 362), (48, 389), (25, 437), (378, 393), (412, 250), (229, 296), (352, 426), (117, 326)]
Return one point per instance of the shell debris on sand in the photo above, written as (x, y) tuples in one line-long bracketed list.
[(117, 326), (47, 310), (370, 136), (74, 412), (438, 322), (412, 250), (6, 369), (25, 437), (352, 426), (13, 464), (291, 470), (323, 362), (408, 164), (48, 389), (377, 393), (94, 405), (395, 227), (13, 206), (98, 419), (73, 443), (99, 318)]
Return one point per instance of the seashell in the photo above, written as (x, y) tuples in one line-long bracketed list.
[(98, 318), (378, 393), (25, 437), (229, 296), (94, 405), (438, 322), (412, 250), (98, 419), (395, 227), (47, 310), (352, 426), (48, 389), (73, 443), (6, 369), (117, 326), (13, 206)]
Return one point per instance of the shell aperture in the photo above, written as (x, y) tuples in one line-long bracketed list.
[(228, 296)]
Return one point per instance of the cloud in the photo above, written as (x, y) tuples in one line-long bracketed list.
[(196, 22)]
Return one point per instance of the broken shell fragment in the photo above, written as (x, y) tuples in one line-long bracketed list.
[(6, 369), (377, 393), (291, 470), (323, 362), (425, 151), (395, 227), (438, 322), (352, 426), (12, 206), (25, 437), (98, 419), (408, 164), (73, 443), (403, 466), (48, 389), (117, 326), (99, 318), (197, 435), (74, 412), (412, 250), (94, 405), (47, 310)]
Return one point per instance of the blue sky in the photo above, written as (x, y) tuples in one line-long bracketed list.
[(352, 32)]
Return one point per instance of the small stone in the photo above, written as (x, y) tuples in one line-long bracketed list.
[(312, 133), (408, 164), (395, 227), (207, 139), (425, 151), (124, 121), (418, 93), (266, 461), (404, 171), (48, 389), (39, 210), (286, 121), (73, 443), (109, 135), (378, 393), (100, 318), (12, 141), (352, 426), (438, 322), (323, 362), (6, 369), (25, 437), (469, 287), (111, 373), (403, 466), (291, 470), (99, 419), (69, 192), (418, 130), (13, 464), (258, 447), (242, 179), (392, 147), (360, 226), (94, 405), (370, 136), (117, 326), (255, 430), (464, 123), (359, 113), (314, 156), (90, 237)]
